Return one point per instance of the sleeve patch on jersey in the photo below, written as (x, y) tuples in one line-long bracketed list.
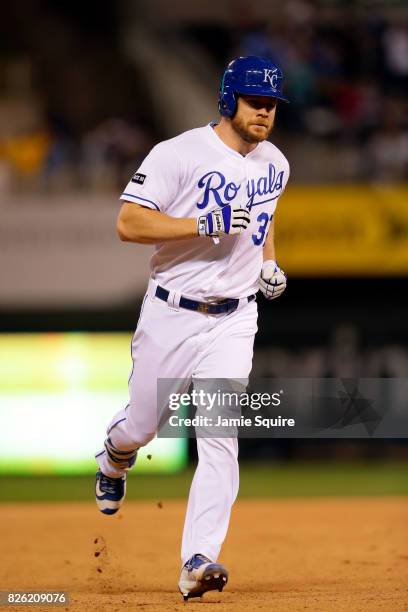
[(138, 178)]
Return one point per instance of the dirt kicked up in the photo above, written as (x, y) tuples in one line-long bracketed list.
[(317, 555)]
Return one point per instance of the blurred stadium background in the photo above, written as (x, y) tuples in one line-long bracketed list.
[(85, 92)]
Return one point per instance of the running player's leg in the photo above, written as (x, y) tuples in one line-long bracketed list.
[(163, 347), (216, 481)]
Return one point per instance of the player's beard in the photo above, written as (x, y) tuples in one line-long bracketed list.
[(243, 129)]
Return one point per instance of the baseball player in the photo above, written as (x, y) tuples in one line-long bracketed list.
[(206, 199)]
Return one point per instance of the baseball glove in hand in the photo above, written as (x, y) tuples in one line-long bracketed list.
[(230, 219), (272, 281)]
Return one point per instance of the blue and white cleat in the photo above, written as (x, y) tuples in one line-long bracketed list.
[(109, 493), (200, 575)]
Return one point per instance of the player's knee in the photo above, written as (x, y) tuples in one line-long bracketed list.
[(128, 441), (144, 438), (223, 449)]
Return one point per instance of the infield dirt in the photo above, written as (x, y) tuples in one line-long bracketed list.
[(320, 555)]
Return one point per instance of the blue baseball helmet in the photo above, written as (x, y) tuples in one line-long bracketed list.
[(251, 75)]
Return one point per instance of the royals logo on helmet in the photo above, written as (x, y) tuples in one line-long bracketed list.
[(271, 76)]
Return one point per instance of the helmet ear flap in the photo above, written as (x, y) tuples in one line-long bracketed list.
[(235, 96), (227, 103), (222, 107)]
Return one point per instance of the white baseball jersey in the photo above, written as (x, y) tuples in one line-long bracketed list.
[(190, 175)]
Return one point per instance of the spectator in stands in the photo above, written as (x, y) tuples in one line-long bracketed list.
[(112, 151)]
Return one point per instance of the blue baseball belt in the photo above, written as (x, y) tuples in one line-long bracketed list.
[(221, 307)]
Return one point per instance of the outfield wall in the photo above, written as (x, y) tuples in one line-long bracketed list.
[(63, 251)]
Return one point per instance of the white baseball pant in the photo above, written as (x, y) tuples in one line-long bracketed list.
[(172, 342)]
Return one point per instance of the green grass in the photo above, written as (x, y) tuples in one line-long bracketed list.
[(271, 480)]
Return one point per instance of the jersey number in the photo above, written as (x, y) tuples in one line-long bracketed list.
[(260, 237)]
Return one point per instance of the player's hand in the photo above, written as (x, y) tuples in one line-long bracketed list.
[(272, 281), (230, 219)]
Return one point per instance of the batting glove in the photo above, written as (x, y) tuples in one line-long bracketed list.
[(272, 281), (230, 219)]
